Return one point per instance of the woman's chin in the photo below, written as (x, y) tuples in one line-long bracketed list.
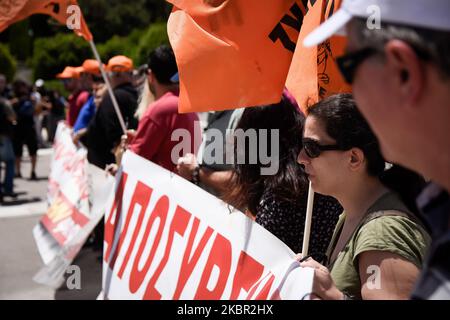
[(313, 182), (315, 185)]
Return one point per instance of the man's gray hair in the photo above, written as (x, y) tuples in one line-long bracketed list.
[(430, 45)]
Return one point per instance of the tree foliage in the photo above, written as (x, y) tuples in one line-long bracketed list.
[(108, 18), (7, 62), (51, 55), (121, 46), (154, 36), (132, 28)]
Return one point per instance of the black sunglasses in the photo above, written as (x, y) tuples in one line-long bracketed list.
[(349, 62), (313, 149)]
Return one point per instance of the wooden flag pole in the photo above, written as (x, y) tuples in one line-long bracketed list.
[(309, 209), (108, 85)]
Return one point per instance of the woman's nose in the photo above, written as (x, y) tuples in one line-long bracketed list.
[(302, 157)]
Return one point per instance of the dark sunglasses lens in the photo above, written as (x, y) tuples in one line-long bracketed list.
[(346, 68), (312, 149)]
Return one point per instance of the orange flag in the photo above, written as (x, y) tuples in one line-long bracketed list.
[(233, 53), (66, 12), (314, 75)]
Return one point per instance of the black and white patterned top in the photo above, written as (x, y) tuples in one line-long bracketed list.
[(286, 220)]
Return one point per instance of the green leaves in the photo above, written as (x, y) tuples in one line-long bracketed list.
[(7, 62), (154, 36), (51, 55)]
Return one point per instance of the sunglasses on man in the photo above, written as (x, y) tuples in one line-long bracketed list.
[(313, 149), (349, 63)]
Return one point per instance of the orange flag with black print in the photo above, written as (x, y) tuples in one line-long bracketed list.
[(238, 53), (313, 75), (233, 53), (66, 12)]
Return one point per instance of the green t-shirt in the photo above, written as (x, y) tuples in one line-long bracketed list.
[(393, 233)]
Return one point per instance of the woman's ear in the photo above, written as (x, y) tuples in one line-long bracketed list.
[(356, 160)]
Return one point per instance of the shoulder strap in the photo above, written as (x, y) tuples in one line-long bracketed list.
[(389, 205)]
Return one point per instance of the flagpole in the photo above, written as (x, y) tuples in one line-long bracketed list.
[(308, 219), (108, 85)]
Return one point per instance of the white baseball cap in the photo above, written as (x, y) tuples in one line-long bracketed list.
[(427, 14), (39, 83)]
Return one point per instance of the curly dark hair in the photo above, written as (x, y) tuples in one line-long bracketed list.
[(247, 185)]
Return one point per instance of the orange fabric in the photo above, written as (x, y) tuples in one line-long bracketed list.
[(225, 56), (8, 10), (91, 66), (70, 73), (120, 64), (79, 70), (314, 75), (55, 8)]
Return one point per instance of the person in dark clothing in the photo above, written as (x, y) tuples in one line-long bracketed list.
[(213, 174), (55, 104), (24, 131), (104, 131), (5, 91), (7, 118), (278, 201)]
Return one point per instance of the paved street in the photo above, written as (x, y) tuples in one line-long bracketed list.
[(19, 258)]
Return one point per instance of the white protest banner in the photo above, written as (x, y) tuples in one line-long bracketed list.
[(57, 258), (68, 188), (57, 245), (165, 238)]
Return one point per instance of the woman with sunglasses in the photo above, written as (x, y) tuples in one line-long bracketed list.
[(278, 201), (378, 245)]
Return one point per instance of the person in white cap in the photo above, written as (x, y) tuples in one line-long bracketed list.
[(399, 67)]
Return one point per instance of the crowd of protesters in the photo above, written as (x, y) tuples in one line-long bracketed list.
[(369, 156), (380, 162), (365, 212), (25, 111)]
